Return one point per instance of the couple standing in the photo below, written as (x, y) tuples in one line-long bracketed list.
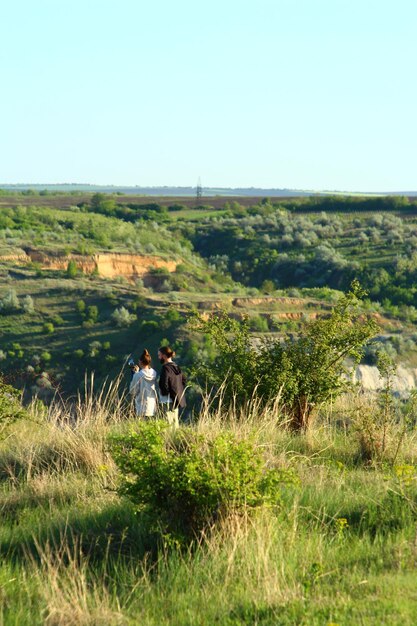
[(171, 386)]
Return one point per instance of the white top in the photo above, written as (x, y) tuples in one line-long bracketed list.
[(142, 388)]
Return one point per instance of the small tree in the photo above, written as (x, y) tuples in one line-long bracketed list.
[(72, 269), (122, 318), (46, 356), (28, 305), (310, 370), (10, 406), (10, 302), (232, 368), (92, 313), (94, 348), (80, 307), (304, 372)]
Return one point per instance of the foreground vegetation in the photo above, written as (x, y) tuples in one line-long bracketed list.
[(336, 545)]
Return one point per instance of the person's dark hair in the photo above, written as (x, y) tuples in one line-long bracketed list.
[(145, 358), (167, 351)]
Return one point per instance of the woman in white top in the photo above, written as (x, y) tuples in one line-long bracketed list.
[(142, 387)]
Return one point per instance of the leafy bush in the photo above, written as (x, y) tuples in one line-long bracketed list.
[(149, 326), (9, 302), (92, 313), (80, 306), (186, 481), (258, 323), (72, 269), (94, 348), (121, 317), (10, 406), (232, 367), (57, 320), (28, 305)]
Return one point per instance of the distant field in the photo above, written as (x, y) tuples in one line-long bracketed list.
[(64, 200)]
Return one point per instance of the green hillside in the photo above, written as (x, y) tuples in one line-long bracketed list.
[(84, 286)]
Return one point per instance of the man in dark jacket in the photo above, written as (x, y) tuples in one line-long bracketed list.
[(171, 385)]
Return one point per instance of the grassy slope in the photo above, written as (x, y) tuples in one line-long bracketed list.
[(73, 552), (68, 230)]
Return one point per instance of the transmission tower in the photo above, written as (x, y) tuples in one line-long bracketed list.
[(199, 193)]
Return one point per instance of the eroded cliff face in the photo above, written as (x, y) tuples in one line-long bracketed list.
[(128, 265), (108, 265), (265, 300), (403, 380), (19, 259)]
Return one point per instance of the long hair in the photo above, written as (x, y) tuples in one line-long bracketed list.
[(145, 358)]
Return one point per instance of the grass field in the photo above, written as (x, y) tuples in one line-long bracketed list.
[(339, 550), (62, 201)]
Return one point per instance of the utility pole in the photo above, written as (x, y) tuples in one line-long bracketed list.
[(199, 193)]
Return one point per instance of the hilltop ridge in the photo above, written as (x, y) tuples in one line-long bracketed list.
[(178, 191)]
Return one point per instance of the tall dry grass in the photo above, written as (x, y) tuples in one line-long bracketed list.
[(81, 555)]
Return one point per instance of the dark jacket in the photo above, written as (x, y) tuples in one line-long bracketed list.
[(172, 383)]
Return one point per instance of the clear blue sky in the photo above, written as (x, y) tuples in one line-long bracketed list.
[(306, 94)]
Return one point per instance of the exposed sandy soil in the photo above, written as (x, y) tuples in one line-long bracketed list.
[(108, 265)]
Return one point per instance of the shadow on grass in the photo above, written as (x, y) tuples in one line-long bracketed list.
[(49, 458), (113, 533), (371, 518)]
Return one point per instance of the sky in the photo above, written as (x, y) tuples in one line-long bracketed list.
[(298, 94)]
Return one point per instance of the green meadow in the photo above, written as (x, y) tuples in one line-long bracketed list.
[(339, 548)]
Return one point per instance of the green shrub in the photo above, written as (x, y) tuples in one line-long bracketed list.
[(186, 481), (48, 328), (149, 326), (28, 305), (9, 303), (257, 323), (121, 317), (72, 269), (80, 306), (10, 406), (173, 315), (231, 368), (92, 313), (268, 286), (46, 356), (57, 320), (94, 348)]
